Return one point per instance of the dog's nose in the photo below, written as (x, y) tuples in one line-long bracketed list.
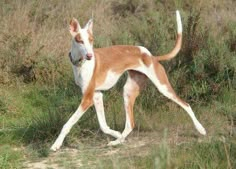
[(89, 56)]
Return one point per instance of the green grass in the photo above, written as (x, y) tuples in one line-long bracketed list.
[(214, 154), (10, 158), (37, 131)]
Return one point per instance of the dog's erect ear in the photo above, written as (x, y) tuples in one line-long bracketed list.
[(89, 26), (74, 27)]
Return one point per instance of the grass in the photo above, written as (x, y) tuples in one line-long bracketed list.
[(38, 131), (38, 93), (9, 158)]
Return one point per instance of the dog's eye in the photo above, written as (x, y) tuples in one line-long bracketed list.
[(80, 41)]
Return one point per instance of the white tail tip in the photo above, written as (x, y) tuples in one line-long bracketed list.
[(179, 23)]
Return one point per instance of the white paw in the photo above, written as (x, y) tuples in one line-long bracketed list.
[(201, 129), (116, 142), (55, 147)]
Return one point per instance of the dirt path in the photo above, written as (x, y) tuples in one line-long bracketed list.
[(89, 154)]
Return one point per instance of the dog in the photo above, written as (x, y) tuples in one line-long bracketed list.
[(96, 70)]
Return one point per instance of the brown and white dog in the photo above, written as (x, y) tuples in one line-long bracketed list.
[(99, 69)]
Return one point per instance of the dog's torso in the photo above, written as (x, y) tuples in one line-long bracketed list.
[(109, 64)]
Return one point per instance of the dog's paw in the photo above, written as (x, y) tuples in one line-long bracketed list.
[(116, 142), (55, 147), (200, 129)]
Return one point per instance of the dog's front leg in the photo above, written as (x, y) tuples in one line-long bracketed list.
[(85, 104)]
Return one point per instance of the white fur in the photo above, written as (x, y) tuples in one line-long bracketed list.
[(144, 50), (127, 90), (98, 103), (66, 128), (110, 81), (164, 90), (84, 36), (84, 73), (197, 124), (128, 128), (150, 72), (179, 22), (82, 77), (77, 50)]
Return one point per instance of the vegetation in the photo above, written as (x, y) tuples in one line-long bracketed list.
[(38, 93)]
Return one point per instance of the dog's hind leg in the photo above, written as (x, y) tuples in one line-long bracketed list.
[(98, 103), (134, 84), (158, 76)]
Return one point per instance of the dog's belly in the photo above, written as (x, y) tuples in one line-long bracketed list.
[(110, 81)]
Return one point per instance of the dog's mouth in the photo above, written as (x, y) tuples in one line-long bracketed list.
[(77, 62)]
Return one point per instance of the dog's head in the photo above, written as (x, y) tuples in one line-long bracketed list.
[(82, 41)]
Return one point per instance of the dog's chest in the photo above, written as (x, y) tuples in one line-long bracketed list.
[(83, 74)]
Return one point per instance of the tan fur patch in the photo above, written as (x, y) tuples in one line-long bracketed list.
[(162, 77), (139, 81), (147, 60), (78, 38), (90, 37), (115, 58)]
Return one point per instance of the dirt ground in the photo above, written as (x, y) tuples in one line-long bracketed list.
[(88, 154)]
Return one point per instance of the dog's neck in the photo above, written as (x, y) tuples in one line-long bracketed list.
[(84, 73)]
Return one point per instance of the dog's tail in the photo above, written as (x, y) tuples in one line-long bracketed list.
[(178, 43)]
